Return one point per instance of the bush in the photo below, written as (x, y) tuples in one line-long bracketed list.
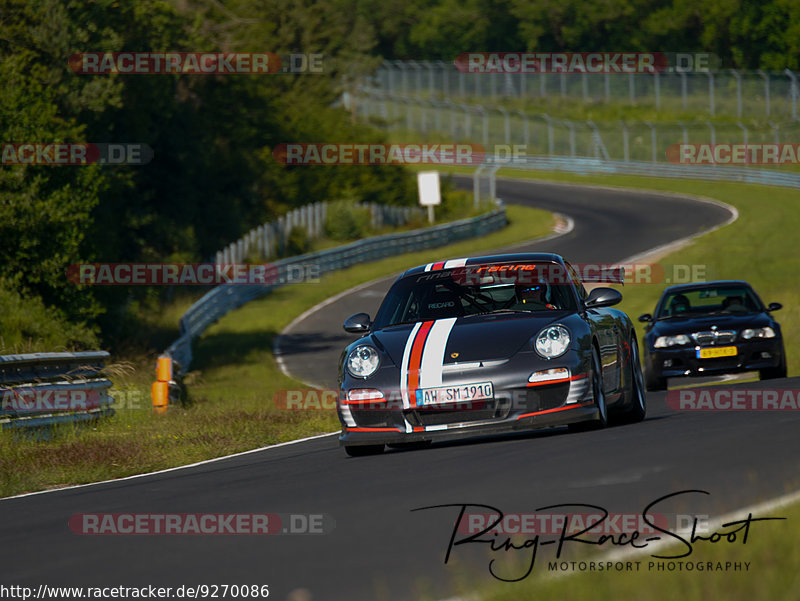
[(297, 243), (347, 221), (28, 326)]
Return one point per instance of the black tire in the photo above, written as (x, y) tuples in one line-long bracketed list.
[(653, 381), (771, 373), (363, 450), (601, 421), (638, 400)]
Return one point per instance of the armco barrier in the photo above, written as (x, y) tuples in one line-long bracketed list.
[(748, 175), (227, 297), (40, 389)]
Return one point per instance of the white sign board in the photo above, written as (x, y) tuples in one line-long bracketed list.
[(428, 185)]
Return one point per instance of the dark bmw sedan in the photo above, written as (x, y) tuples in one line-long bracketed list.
[(711, 328)]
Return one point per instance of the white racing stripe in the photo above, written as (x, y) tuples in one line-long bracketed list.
[(404, 365), (433, 354), (453, 263)]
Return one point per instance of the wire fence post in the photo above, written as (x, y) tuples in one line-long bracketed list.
[(652, 141), (738, 78), (765, 77), (711, 103), (626, 151), (793, 81)]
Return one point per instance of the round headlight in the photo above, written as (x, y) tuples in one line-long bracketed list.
[(363, 361), (552, 342)]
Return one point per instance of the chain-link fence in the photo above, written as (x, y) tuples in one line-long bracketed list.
[(499, 129), (728, 92)]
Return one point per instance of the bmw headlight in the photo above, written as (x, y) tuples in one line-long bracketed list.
[(749, 333), (667, 341), (363, 361), (552, 342)]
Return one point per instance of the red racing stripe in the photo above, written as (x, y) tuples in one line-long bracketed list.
[(415, 360), (554, 410)]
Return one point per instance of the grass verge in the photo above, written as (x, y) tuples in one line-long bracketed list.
[(232, 388)]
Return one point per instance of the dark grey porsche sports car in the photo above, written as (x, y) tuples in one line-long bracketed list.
[(486, 345)]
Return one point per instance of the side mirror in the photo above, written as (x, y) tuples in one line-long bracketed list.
[(602, 297), (645, 318), (357, 324), (774, 306)]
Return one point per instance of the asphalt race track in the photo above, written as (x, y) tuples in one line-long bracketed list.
[(380, 549)]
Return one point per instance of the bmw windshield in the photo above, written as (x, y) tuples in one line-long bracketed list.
[(713, 300)]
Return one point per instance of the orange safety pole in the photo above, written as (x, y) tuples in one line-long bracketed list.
[(160, 391)]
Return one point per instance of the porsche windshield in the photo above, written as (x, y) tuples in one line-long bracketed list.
[(711, 300), (477, 290)]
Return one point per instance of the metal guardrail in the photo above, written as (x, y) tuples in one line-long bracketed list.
[(582, 165), (270, 239), (227, 297), (40, 389)]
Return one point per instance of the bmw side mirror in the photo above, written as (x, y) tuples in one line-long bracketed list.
[(645, 318), (602, 297), (774, 306), (358, 323)]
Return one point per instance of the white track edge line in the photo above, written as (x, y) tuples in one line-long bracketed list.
[(170, 469)]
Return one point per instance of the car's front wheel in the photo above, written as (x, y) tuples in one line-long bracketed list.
[(363, 450), (638, 403), (771, 373), (653, 380), (601, 421)]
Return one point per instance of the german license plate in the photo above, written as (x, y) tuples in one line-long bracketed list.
[(454, 394), (717, 351)]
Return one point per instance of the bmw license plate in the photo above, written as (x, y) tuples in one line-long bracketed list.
[(454, 394), (717, 351)]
